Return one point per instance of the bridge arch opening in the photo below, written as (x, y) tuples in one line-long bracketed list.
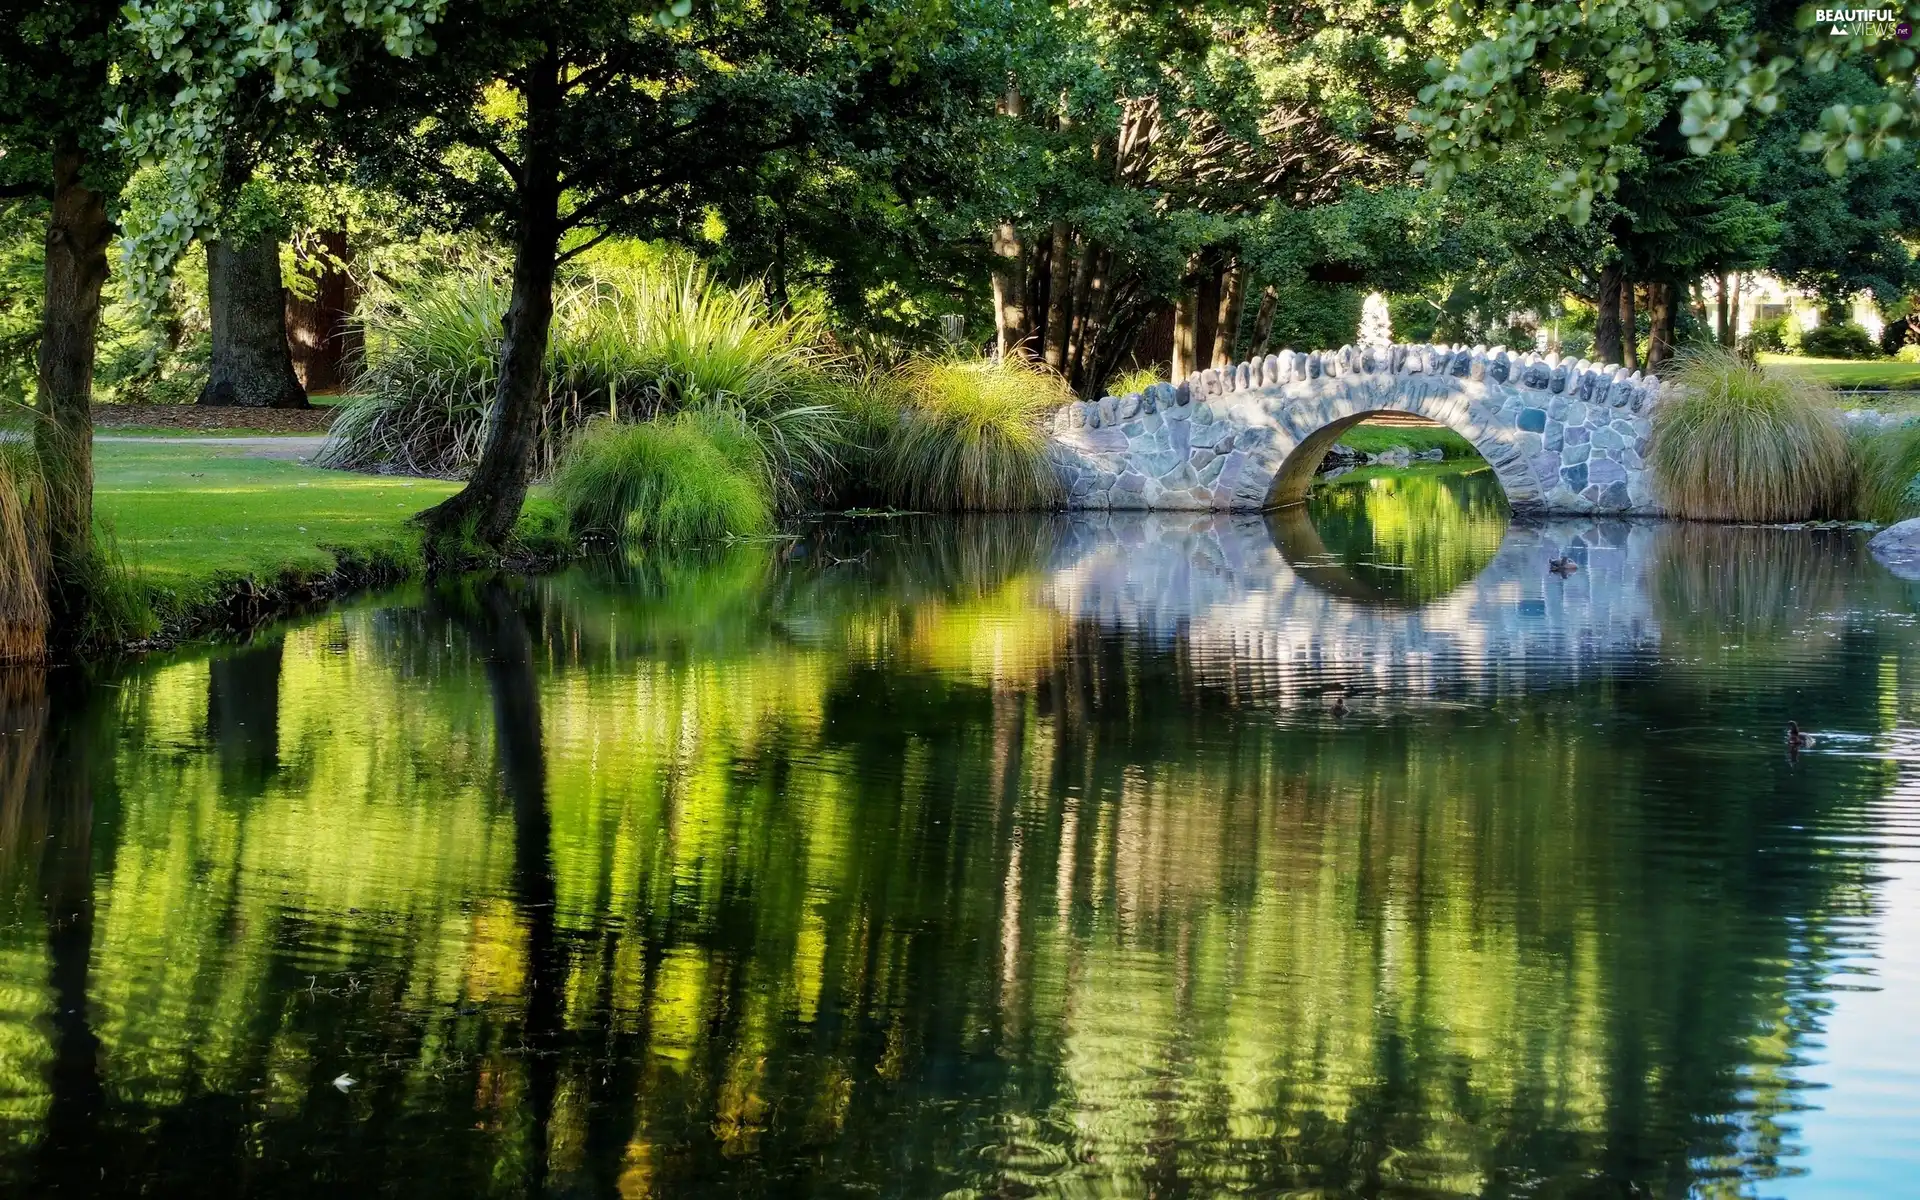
[(1398, 538), (1300, 470)]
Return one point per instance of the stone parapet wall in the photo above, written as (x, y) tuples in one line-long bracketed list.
[(1562, 435)]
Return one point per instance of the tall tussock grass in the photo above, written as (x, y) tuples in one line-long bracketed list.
[(1739, 444), (1887, 474), (971, 436), (628, 343), (697, 476), (23, 602)]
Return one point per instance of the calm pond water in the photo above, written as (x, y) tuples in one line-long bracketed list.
[(1015, 857)]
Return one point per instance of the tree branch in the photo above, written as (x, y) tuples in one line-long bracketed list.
[(585, 246), (479, 141)]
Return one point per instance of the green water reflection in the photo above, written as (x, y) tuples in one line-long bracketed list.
[(1396, 536), (983, 859)]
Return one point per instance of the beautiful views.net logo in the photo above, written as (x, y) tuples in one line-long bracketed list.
[(1844, 22)]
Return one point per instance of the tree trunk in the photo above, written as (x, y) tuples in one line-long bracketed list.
[(1660, 312), (1010, 311), (1263, 321), (1186, 324), (1606, 319), (76, 269), (1233, 298), (1206, 320), (252, 364), (1060, 297), (1009, 291), (1629, 328), (1083, 272), (487, 507), (1034, 324), (320, 330), (1728, 312), (1087, 366)]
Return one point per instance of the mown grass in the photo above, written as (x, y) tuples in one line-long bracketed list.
[(691, 478), (1417, 439), (1841, 373), (971, 436), (1739, 442), (191, 524)]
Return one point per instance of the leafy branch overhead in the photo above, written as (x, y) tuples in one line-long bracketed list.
[(1587, 79), (204, 66)]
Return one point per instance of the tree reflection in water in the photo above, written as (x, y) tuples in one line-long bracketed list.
[(932, 860), (1395, 537)]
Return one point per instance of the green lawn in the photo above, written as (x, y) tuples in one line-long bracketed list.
[(1377, 439), (1848, 373), (189, 519)]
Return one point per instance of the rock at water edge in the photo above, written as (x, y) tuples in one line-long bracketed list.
[(1897, 548)]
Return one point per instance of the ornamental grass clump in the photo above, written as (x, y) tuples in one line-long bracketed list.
[(632, 343), (1887, 474), (690, 478), (23, 605), (971, 436), (1735, 443), (418, 404)]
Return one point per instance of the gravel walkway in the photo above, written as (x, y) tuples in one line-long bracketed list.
[(295, 448)]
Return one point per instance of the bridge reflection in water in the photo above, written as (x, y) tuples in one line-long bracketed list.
[(1421, 585)]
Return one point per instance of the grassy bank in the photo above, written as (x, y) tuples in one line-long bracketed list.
[(189, 520), (213, 537)]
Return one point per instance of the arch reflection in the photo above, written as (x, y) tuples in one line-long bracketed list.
[(1399, 538)]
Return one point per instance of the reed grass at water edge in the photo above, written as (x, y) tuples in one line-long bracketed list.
[(23, 603), (1735, 442)]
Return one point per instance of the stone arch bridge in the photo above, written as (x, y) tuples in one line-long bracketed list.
[(1562, 435)]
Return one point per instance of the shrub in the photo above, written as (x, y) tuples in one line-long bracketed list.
[(1576, 343), (1839, 340), (1887, 474), (1909, 353), (693, 477), (1772, 335), (1738, 444), (1132, 382), (633, 342), (971, 437), (23, 605)]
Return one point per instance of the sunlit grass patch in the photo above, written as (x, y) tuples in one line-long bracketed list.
[(187, 517), (1889, 374), (1416, 439)]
